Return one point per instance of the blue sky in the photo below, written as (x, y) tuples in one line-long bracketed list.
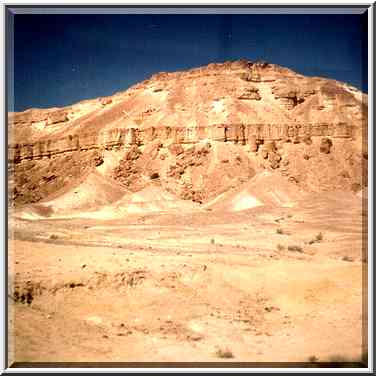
[(62, 59)]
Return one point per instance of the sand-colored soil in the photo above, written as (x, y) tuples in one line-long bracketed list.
[(191, 286)]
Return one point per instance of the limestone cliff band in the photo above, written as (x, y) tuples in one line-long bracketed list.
[(118, 138)]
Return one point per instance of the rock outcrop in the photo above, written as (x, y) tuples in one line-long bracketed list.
[(49, 116), (118, 138), (157, 125)]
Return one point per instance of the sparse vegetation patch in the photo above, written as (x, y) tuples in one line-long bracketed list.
[(317, 239), (224, 353), (280, 247), (347, 258), (295, 248)]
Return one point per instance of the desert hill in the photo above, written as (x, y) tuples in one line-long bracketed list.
[(196, 134), (211, 215)]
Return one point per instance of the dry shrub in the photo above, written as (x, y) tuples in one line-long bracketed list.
[(295, 248), (313, 359), (347, 258), (280, 247), (319, 237), (224, 353)]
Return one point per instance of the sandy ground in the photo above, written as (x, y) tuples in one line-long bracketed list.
[(200, 286)]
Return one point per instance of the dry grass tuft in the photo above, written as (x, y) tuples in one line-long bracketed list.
[(295, 248), (319, 237), (224, 353), (347, 258), (313, 359)]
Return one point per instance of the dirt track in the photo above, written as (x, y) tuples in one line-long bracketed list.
[(194, 287)]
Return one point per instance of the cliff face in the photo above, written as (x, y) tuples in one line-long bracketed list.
[(249, 105)]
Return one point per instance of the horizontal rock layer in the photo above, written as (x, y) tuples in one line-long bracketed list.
[(116, 138)]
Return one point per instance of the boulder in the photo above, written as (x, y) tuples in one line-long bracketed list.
[(264, 153), (325, 146), (270, 146), (274, 159)]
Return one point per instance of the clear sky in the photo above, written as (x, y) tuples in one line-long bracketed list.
[(62, 59)]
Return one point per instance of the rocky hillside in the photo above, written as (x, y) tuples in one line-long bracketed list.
[(197, 134)]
